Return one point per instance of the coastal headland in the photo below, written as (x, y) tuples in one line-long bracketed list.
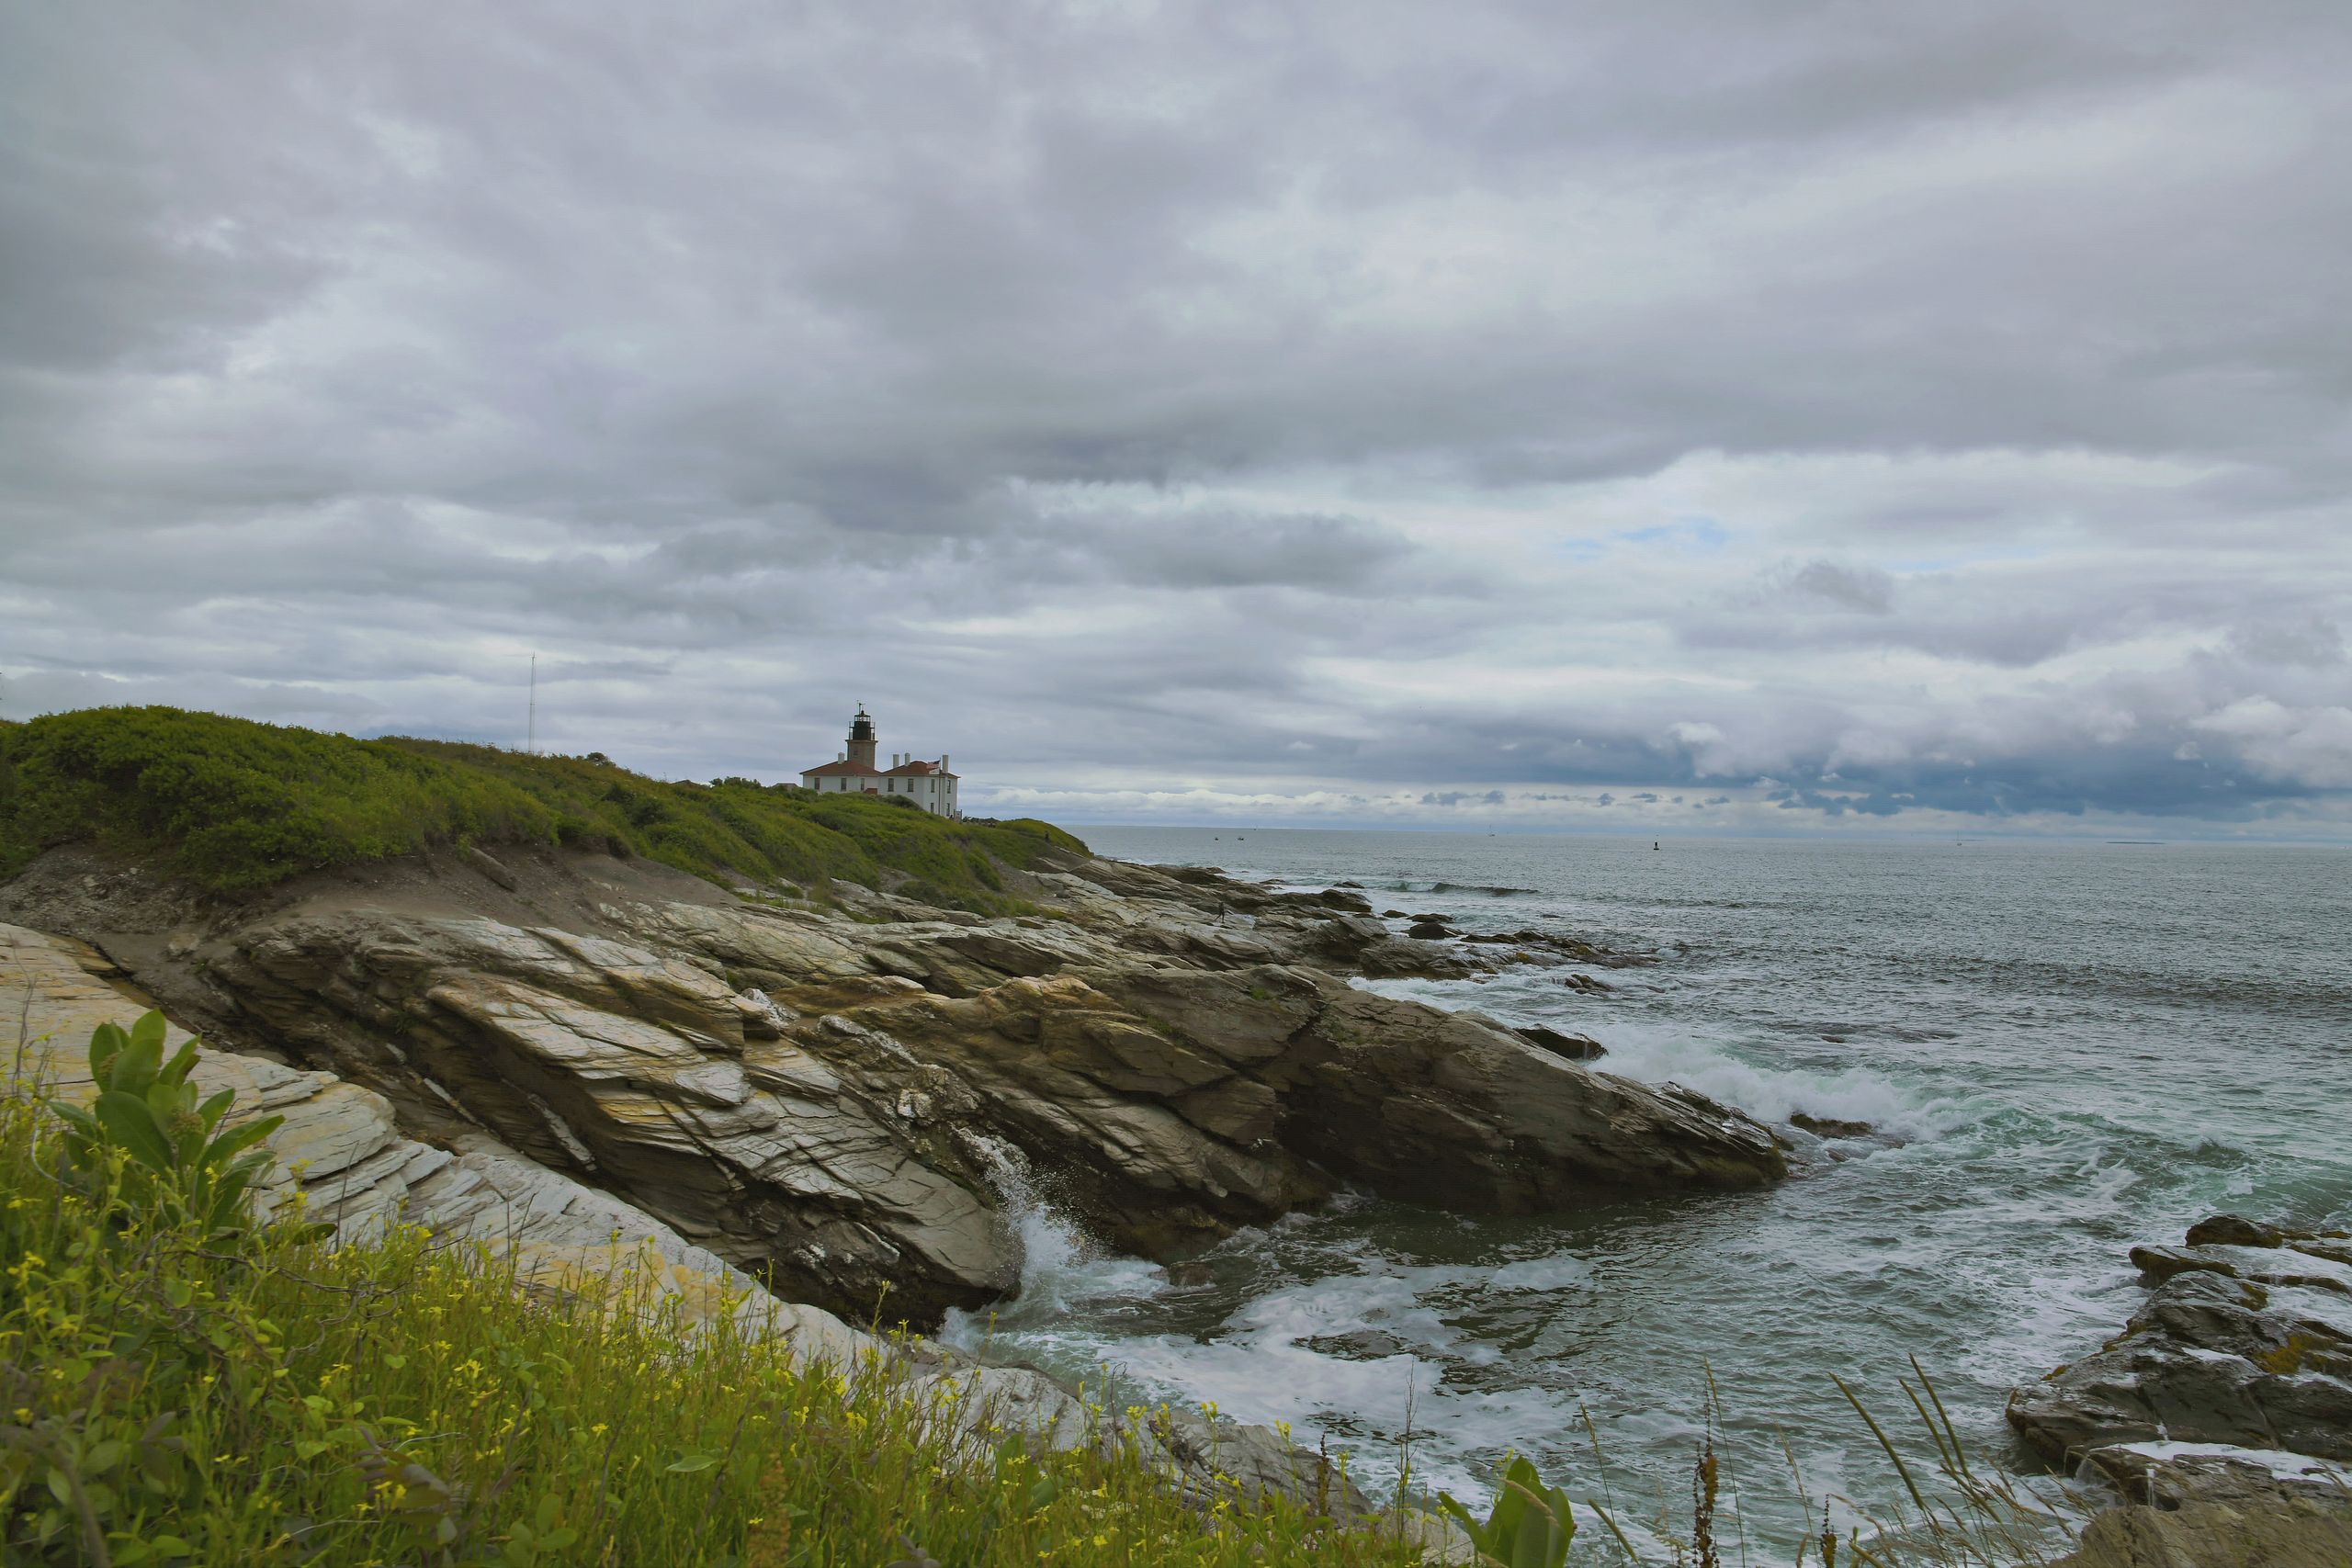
[(809, 1049), (828, 1081)]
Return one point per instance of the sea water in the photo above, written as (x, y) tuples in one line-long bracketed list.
[(2063, 1049)]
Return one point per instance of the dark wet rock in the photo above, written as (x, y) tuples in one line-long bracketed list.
[(1574, 1047), (1550, 947), (1405, 959), (2164, 1262), (1395, 915), (1335, 899), (1831, 1126), (1430, 920), (1429, 930), (2235, 1230), (1587, 985)]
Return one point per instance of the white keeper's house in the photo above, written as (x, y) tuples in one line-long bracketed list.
[(928, 784)]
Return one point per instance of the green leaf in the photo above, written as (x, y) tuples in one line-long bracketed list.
[(691, 1463), (396, 1362), (149, 1030), (238, 1139), (176, 1071), (309, 1448), (217, 1107), (81, 1121), (136, 1068), (103, 1456), (106, 1042), (130, 1125)]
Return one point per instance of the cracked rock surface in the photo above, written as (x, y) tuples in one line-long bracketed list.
[(831, 1098)]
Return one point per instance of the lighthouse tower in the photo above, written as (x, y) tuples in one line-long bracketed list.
[(860, 738)]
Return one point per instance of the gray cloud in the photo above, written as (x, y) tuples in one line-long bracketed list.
[(1931, 409)]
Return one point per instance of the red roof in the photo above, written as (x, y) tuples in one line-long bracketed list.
[(905, 770), (837, 769)]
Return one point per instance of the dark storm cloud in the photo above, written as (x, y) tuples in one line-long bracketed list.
[(1929, 408)]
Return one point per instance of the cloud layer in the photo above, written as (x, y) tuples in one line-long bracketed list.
[(1803, 415)]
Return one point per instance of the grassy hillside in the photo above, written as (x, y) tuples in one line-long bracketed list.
[(234, 805)]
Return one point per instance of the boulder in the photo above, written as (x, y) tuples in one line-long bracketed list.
[(2233, 1230), (1574, 1047), (1831, 1126), (2283, 1532)]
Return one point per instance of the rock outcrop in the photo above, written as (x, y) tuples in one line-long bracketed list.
[(836, 1098), (833, 1098), (340, 1151), (2227, 1399)]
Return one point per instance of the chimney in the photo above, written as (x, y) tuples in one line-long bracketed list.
[(942, 761)]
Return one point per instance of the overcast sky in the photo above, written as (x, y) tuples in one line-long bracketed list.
[(1763, 416)]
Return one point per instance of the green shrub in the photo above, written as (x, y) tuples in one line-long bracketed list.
[(146, 1148), (232, 805)]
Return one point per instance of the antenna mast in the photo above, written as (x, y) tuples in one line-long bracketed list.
[(531, 735)]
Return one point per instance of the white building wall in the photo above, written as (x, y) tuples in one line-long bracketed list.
[(933, 792)]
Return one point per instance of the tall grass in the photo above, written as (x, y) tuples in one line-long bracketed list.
[(1950, 1511), (232, 805), (172, 1393)]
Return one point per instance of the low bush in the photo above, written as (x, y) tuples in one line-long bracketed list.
[(232, 805)]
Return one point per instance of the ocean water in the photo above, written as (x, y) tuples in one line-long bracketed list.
[(2066, 1047)]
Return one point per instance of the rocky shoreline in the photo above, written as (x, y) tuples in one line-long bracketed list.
[(829, 1092), (806, 1104), (2223, 1413)]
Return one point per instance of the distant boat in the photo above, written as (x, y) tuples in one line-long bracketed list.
[(1653, 843)]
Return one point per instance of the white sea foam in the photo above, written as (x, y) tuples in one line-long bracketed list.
[(1658, 1053)]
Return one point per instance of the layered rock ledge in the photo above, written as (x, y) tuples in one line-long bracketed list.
[(831, 1092), (2223, 1413)]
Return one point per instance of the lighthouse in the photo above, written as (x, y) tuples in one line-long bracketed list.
[(861, 739), (927, 784)]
